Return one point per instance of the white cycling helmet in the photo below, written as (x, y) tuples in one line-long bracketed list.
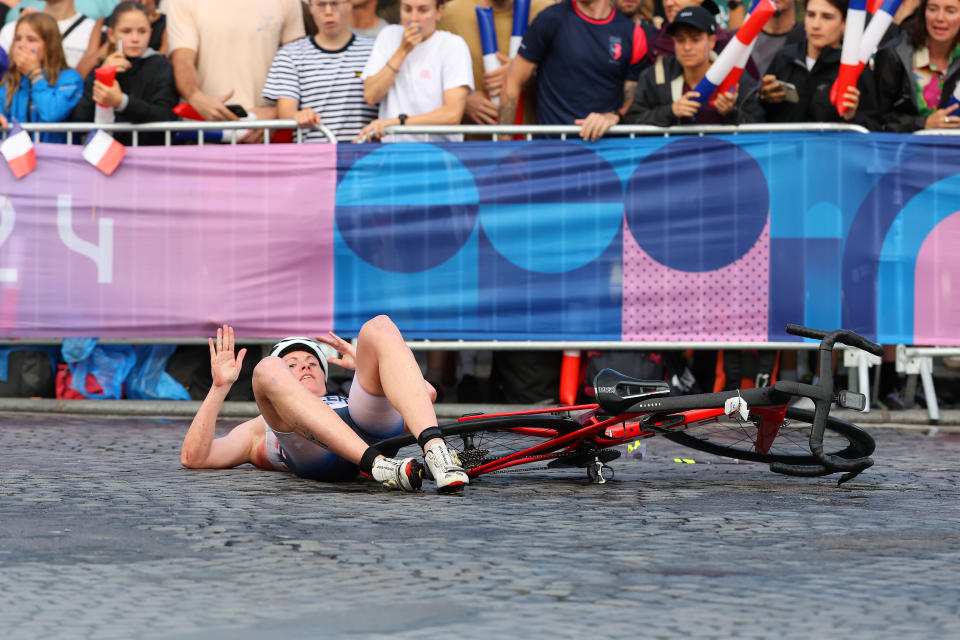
[(301, 343)]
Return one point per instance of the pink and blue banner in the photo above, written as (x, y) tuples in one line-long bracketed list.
[(177, 241), (715, 238)]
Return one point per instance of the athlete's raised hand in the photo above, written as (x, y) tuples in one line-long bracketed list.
[(348, 353), (224, 365)]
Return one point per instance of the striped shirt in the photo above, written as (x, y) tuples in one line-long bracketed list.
[(329, 82)]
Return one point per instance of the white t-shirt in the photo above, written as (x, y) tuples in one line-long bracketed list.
[(440, 63), (74, 45)]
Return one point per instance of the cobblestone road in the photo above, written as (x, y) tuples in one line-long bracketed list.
[(103, 535)]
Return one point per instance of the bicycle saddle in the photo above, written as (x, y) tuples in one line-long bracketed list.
[(615, 391)]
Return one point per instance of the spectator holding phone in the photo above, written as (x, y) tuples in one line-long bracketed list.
[(665, 95), (918, 71), (143, 90), (221, 51), (317, 79), (811, 67), (39, 87), (417, 73)]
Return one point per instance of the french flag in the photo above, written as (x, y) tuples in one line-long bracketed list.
[(850, 53), (723, 71), (488, 41), (103, 152), (521, 17), (18, 151)]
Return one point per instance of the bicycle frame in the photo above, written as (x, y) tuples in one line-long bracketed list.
[(611, 431)]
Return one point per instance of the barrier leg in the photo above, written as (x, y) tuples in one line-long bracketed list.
[(926, 375), (569, 376), (863, 368)]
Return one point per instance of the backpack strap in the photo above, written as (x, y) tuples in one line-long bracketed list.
[(76, 23)]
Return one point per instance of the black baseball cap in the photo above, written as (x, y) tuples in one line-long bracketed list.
[(695, 17)]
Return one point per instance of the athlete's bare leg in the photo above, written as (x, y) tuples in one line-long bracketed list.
[(288, 406), (387, 367)]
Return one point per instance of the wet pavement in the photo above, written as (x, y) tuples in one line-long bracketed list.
[(104, 535)]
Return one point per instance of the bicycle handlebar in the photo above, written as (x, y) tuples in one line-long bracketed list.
[(840, 335), (822, 396)]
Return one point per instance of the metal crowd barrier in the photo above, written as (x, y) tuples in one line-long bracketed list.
[(495, 132)]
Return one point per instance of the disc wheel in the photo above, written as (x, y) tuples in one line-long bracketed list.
[(484, 440), (792, 445)]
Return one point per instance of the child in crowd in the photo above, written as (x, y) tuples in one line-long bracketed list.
[(144, 90), (39, 87)]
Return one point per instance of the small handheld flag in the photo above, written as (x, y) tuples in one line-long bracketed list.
[(18, 151), (103, 152)]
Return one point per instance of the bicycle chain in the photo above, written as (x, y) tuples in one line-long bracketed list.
[(468, 459)]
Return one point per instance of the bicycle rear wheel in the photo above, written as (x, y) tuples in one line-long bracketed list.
[(483, 442), (792, 445)]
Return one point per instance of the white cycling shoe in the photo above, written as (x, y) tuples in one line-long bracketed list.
[(443, 466), (405, 475)]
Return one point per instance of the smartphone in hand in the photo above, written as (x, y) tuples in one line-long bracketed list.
[(790, 91)]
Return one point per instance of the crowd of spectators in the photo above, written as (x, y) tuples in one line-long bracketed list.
[(341, 63)]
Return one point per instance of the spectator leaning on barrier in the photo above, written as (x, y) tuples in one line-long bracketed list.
[(79, 34), (417, 73), (664, 94), (918, 71), (781, 29), (39, 87), (364, 20), (144, 89), (460, 17), (318, 79), (222, 50), (588, 58), (811, 65)]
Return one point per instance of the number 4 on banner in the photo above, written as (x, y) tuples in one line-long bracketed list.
[(103, 152)]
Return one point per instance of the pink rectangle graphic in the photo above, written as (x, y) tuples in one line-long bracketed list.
[(176, 242)]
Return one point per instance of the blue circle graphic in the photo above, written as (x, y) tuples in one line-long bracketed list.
[(406, 208), (697, 204), (551, 207)]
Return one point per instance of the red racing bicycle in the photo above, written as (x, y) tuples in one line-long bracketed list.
[(752, 424)]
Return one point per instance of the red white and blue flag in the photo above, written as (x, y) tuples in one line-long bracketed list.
[(850, 53), (18, 151), (488, 42), (103, 152), (726, 69)]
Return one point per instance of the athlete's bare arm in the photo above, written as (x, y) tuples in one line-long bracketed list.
[(201, 449)]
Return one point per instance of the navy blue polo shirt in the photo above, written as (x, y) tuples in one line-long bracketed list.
[(582, 62)]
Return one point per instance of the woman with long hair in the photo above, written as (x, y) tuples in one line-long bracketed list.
[(144, 90), (39, 87), (917, 72)]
